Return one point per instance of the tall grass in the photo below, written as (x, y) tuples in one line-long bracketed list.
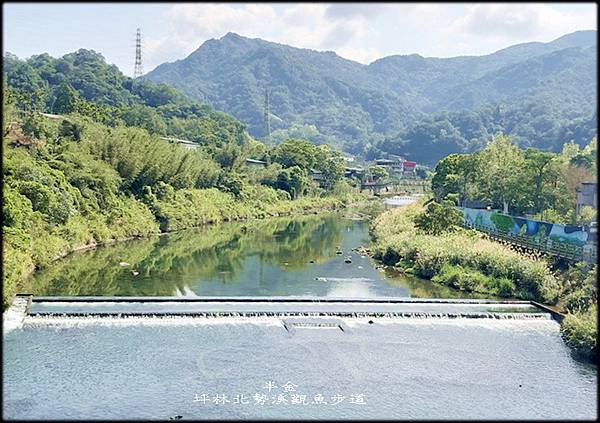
[(580, 332), (492, 268), (469, 261)]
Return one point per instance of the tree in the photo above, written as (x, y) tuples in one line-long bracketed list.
[(331, 164), (500, 178), (9, 111), (569, 172), (35, 125), (378, 173), (537, 162), (586, 215), (447, 175), (438, 218), (587, 158), (453, 174), (65, 99), (294, 180), (70, 130), (294, 152), (230, 156)]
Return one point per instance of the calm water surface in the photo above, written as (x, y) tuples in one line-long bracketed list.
[(278, 257)]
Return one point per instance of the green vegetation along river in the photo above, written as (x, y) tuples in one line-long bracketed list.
[(280, 257)]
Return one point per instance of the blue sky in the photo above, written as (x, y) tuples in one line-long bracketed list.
[(362, 32)]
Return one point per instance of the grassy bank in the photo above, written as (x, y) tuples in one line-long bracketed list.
[(580, 332), (461, 259), (26, 251), (466, 260), (579, 301)]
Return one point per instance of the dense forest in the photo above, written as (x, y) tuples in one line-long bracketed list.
[(521, 181), (96, 170), (542, 94)]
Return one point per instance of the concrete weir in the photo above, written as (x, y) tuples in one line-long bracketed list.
[(16, 313), (26, 307), (123, 358)]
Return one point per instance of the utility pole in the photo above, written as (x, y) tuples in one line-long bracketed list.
[(138, 70), (267, 117)]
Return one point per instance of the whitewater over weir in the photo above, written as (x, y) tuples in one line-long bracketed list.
[(215, 358)]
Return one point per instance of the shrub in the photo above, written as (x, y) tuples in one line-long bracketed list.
[(16, 265), (438, 218), (579, 330), (503, 287), (465, 279), (16, 208), (579, 287)]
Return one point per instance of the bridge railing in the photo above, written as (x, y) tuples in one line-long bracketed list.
[(560, 249)]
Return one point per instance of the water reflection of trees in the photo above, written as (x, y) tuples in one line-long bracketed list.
[(423, 288), (172, 262)]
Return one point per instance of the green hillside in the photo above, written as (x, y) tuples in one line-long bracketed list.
[(373, 109)]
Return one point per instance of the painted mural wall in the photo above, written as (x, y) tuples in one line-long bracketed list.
[(541, 232)]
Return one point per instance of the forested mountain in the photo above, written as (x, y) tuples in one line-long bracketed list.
[(83, 82), (306, 87), (543, 94)]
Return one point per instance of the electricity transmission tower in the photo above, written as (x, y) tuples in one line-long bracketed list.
[(137, 70), (267, 117)]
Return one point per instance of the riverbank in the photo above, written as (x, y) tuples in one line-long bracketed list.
[(466, 260), (26, 253), (462, 259)]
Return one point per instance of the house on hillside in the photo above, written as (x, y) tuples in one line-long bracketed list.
[(51, 116), (409, 169), (353, 171), (392, 166), (398, 166), (189, 145), (256, 163)]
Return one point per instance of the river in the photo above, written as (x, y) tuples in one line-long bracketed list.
[(277, 257), (64, 367)]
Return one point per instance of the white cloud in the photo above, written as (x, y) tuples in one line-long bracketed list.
[(192, 24), (362, 55), (513, 21), (353, 10), (367, 31), (319, 26), (208, 20)]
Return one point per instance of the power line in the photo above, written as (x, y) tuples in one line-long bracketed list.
[(267, 113), (138, 70)]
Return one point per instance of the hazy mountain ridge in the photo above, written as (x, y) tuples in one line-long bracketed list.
[(360, 105)]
